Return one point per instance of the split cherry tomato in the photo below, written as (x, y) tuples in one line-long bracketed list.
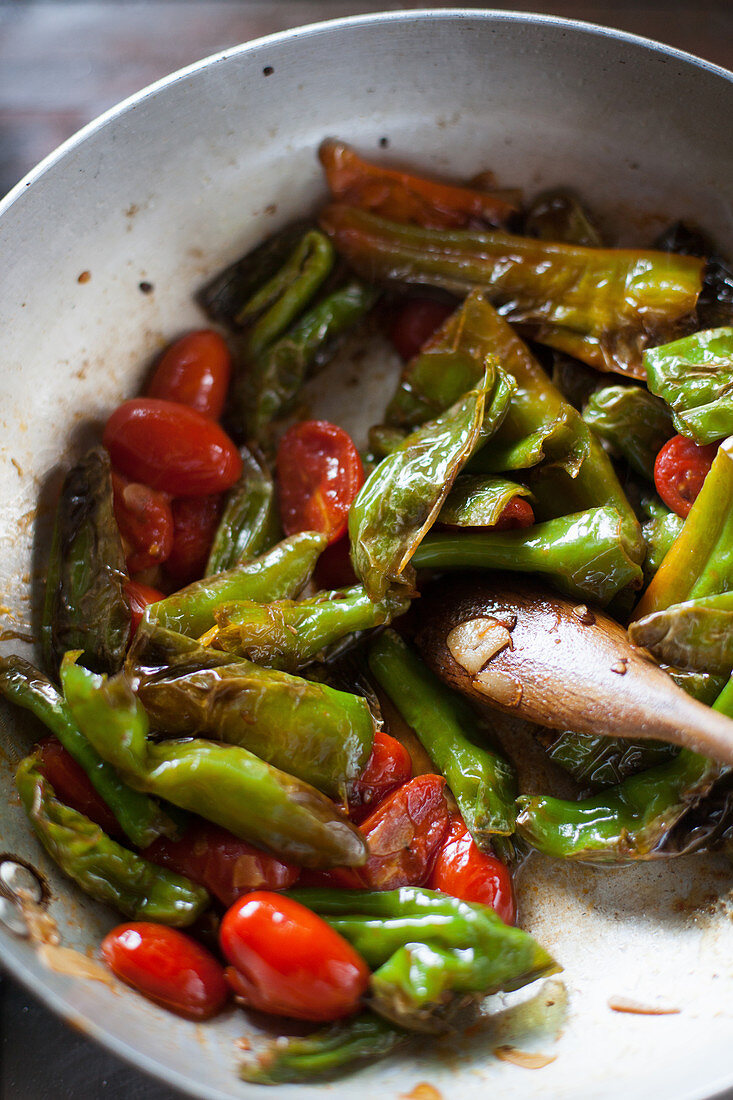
[(462, 870), (145, 521), (72, 785), (415, 323), (195, 520), (194, 371), (168, 967), (286, 960), (388, 767), (518, 513), (227, 866), (171, 447), (139, 597), (319, 473), (404, 834), (679, 471)]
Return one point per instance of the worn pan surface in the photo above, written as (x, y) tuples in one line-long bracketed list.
[(180, 180)]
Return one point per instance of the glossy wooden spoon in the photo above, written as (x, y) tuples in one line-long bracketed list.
[(538, 655)]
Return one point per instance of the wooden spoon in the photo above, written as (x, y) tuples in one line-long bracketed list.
[(538, 655)]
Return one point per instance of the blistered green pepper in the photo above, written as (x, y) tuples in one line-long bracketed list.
[(601, 305), (559, 215), (696, 634), (139, 816), (477, 500), (483, 783), (280, 573), (660, 532), (633, 421), (583, 554), (222, 783), (289, 635), (250, 524), (402, 497), (85, 605), (429, 951), (104, 869), (695, 377), (601, 762)]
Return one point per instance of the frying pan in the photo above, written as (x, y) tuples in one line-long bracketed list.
[(178, 181)]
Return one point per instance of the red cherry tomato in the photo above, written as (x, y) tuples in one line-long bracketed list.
[(168, 967), (72, 785), (140, 596), (518, 513), (415, 324), (195, 520), (171, 447), (680, 470), (286, 960), (388, 767), (319, 473), (227, 866), (462, 870), (194, 371), (404, 834), (334, 568), (145, 521)]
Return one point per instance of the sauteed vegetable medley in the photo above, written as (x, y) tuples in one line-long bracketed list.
[(238, 598)]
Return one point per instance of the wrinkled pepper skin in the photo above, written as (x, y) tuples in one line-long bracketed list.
[(478, 501), (289, 635), (223, 783), (633, 421), (660, 532), (85, 605), (582, 554), (101, 867), (139, 816), (601, 762), (483, 784), (402, 497), (326, 1053), (250, 524), (602, 306), (428, 950), (694, 375), (696, 634), (279, 573)]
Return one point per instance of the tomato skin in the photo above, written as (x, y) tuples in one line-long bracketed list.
[(404, 834), (73, 786), (145, 521), (517, 514), (168, 967), (194, 371), (289, 962), (195, 520), (415, 323), (462, 870), (139, 597), (319, 473), (388, 767), (227, 866), (680, 470), (171, 447)]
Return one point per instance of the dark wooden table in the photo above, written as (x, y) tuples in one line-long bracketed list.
[(61, 64)]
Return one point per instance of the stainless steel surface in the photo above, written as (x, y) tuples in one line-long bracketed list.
[(177, 182)]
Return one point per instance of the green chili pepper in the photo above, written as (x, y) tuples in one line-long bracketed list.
[(560, 216), (601, 305), (660, 532), (484, 784), (340, 1048), (634, 422), (695, 376), (703, 686), (696, 634), (250, 524), (85, 605), (583, 554), (601, 762), (139, 816), (402, 497), (289, 635), (281, 572), (478, 501), (700, 561), (278, 371), (104, 869), (383, 439), (428, 951), (222, 783)]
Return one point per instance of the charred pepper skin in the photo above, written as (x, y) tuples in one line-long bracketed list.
[(483, 784), (250, 524), (102, 867)]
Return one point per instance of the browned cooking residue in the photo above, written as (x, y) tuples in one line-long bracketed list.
[(422, 1091), (627, 1004), (526, 1059), (84, 277)]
